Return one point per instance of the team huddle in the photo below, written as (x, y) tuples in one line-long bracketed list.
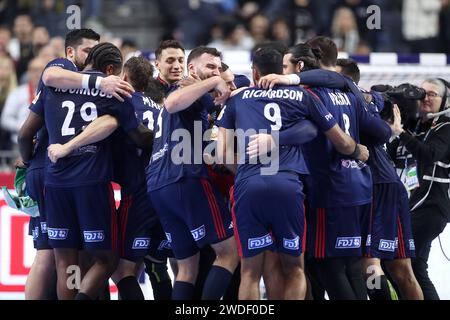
[(285, 180)]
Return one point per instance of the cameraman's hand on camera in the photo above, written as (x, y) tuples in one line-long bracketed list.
[(396, 126)]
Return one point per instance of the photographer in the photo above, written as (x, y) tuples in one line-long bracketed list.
[(428, 177)]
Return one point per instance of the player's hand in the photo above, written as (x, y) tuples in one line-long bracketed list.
[(222, 93), (192, 79), (269, 81), (116, 87), (19, 164), (396, 126), (260, 145), (57, 151), (363, 153)]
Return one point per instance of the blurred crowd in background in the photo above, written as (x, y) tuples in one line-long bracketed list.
[(31, 33)]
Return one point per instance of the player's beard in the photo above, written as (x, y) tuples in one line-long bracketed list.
[(79, 64), (201, 75)]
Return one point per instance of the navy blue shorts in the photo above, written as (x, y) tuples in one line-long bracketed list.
[(338, 232), (192, 214), (82, 217), (268, 214), (140, 231), (390, 234), (38, 226)]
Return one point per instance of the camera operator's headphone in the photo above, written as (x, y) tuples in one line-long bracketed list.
[(445, 98)]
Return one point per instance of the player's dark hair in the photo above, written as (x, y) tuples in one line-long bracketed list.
[(155, 91), (277, 45), (304, 52), (129, 43), (225, 67), (197, 52), (267, 61), (139, 71), (350, 69), (103, 55), (166, 44), (326, 48), (75, 37)]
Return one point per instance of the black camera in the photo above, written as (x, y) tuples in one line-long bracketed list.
[(406, 96)]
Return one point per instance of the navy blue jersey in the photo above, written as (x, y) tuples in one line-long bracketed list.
[(186, 129), (40, 148), (66, 113), (336, 180), (262, 111), (130, 161), (380, 163)]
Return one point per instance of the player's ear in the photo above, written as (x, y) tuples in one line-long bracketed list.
[(70, 52), (191, 69), (109, 70), (256, 75)]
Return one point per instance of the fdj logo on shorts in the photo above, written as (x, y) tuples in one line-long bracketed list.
[(412, 246), (57, 234), (141, 243), (199, 233), (291, 244), (348, 243), (44, 227), (261, 242), (386, 245), (35, 233), (94, 236)]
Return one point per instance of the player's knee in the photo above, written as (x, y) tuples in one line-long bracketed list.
[(402, 273), (188, 269), (250, 274), (108, 260), (227, 252), (292, 266), (186, 274), (45, 259)]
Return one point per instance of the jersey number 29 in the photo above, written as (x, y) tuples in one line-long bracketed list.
[(88, 113)]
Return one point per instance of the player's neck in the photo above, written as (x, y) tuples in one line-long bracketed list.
[(329, 68)]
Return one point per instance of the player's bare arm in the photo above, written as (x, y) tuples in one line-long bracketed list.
[(183, 98), (98, 130), (346, 145), (269, 81), (26, 135), (225, 149), (65, 79)]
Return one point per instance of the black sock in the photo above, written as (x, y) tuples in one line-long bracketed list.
[(216, 283), (160, 280), (82, 296), (183, 291), (129, 289), (381, 293)]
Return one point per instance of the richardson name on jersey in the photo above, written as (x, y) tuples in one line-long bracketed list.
[(85, 92), (290, 94)]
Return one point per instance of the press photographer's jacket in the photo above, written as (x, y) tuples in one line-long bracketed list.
[(430, 146)]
